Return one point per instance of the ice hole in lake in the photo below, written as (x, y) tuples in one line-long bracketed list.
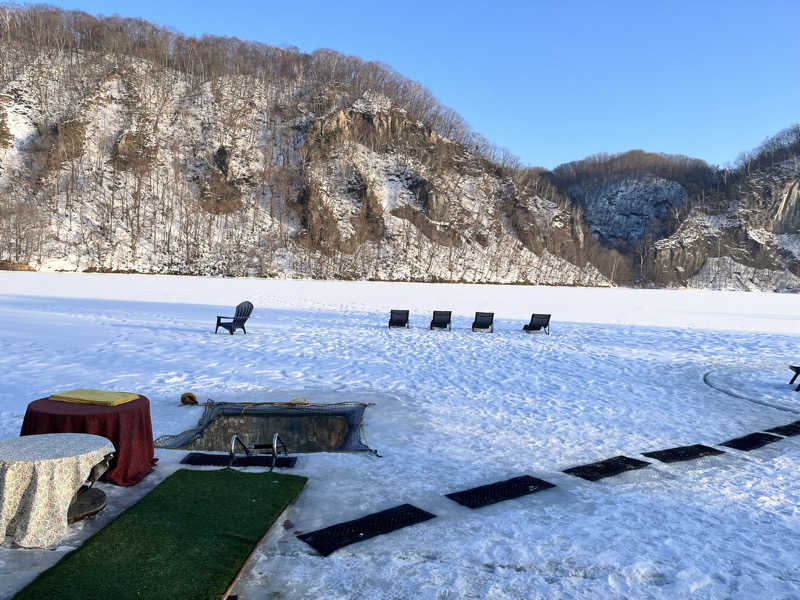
[(303, 422)]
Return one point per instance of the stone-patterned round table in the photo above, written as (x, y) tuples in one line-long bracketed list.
[(39, 476)]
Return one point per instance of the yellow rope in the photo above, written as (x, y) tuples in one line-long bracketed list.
[(210, 404)]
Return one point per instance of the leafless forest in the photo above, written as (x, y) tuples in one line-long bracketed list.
[(127, 146)]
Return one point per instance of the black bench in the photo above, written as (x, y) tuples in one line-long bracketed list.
[(483, 322), (398, 318), (441, 319), (796, 369), (538, 322), (238, 320)]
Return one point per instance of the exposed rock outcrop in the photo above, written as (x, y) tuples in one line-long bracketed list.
[(321, 165), (754, 241), (623, 210)]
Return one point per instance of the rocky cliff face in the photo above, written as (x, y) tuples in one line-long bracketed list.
[(121, 153), (622, 210), (746, 238), (151, 172), (685, 224)]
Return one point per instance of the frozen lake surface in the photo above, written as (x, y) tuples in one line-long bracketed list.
[(624, 372)]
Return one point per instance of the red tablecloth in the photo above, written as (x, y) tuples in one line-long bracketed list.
[(128, 427)]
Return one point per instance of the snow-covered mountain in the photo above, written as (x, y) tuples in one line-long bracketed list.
[(125, 147), (747, 238)]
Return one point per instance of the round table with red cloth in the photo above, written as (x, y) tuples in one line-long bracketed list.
[(127, 425)]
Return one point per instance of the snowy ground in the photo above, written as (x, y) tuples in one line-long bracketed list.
[(622, 372)]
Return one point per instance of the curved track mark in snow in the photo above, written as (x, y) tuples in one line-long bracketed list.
[(753, 400)]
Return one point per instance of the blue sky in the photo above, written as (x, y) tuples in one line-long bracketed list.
[(551, 81)]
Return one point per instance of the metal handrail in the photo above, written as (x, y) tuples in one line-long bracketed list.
[(235, 439), (275, 440)]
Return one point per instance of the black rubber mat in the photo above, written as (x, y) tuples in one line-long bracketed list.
[(502, 490), (751, 441), (606, 468), (201, 459), (329, 540), (683, 453), (786, 430)]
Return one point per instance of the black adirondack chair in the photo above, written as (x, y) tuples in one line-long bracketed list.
[(398, 318), (238, 320), (796, 369), (441, 319), (483, 321), (538, 322)]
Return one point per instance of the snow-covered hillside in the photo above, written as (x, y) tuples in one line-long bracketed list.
[(127, 147), (624, 371), (139, 168), (748, 240)]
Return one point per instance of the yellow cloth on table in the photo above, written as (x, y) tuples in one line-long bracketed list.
[(95, 397)]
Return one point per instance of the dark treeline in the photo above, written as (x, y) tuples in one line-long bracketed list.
[(41, 27), (783, 146), (693, 173)]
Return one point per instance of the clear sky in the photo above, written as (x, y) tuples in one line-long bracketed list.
[(551, 81)]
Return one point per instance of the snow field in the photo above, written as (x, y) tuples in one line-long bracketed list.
[(622, 372)]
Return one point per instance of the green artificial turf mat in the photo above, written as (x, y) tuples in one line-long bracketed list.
[(186, 539)]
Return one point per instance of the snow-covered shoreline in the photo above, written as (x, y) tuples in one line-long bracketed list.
[(622, 372), (700, 309)]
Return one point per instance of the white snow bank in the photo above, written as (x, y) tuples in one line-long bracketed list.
[(702, 309)]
